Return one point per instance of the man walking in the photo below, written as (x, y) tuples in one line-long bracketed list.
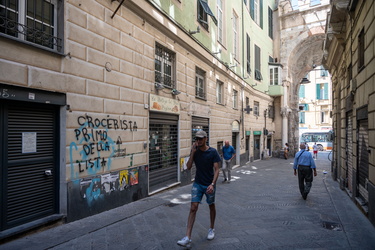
[(228, 154), (305, 164), (206, 160), (315, 151)]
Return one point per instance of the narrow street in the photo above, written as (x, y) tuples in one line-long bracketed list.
[(260, 209)]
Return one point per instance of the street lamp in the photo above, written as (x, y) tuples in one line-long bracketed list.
[(305, 81)]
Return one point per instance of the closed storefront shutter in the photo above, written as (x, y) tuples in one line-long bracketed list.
[(29, 169), (163, 151), (363, 159), (349, 152)]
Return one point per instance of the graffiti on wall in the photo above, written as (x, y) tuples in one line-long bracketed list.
[(98, 148), (95, 188)]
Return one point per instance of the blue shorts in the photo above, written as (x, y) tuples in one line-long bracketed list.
[(197, 192)]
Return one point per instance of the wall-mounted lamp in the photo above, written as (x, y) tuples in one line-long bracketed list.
[(175, 92), (215, 53), (305, 81), (159, 86), (191, 32)]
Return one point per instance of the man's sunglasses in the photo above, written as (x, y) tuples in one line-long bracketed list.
[(198, 138)]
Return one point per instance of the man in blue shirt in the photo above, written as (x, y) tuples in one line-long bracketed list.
[(206, 160), (228, 154), (305, 164)]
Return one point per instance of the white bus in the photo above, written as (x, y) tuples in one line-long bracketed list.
[(322, 138)]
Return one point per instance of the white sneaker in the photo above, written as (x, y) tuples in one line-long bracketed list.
[(211, 234), (185, 242)]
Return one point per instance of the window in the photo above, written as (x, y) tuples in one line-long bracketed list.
[(256, 11), (301, 117), (256, 108), (301, 93), (235, 99), (275, 74), (270, 23), (322, 117), (248, 67), (314, 2), (235, 36), (203, 12), (164, 66), (220, 17), (322, 91), (271, 111), (200, 86), (258, 74), (219, 92), (361, 50), (33, 21)]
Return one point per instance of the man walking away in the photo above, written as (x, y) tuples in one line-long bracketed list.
[(228, 154), (305, 164), (206, 160)]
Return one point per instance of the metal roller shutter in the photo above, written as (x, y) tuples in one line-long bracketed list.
[(163, 151), (29, 176), (363, 159), (349, 152)]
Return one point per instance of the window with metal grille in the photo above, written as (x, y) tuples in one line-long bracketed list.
[(32, 21), (164, 66), (200, 85)]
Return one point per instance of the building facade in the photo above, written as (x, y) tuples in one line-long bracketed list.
[(100, 100), (315, 101), (349, 56)]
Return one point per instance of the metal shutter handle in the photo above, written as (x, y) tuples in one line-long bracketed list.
[(48, 172)]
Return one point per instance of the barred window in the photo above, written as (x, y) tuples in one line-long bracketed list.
[(164, 66), (32, 21), (200, 85)]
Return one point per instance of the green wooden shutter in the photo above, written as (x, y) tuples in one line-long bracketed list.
[(325, 91), (318, 91), (302, 91)]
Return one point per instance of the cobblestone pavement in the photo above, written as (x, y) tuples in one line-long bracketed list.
[(260, 209)]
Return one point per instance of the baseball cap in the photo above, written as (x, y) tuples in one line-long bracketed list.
[(201, 134)]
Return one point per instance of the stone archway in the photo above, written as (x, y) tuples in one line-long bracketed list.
[(302, 34)]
